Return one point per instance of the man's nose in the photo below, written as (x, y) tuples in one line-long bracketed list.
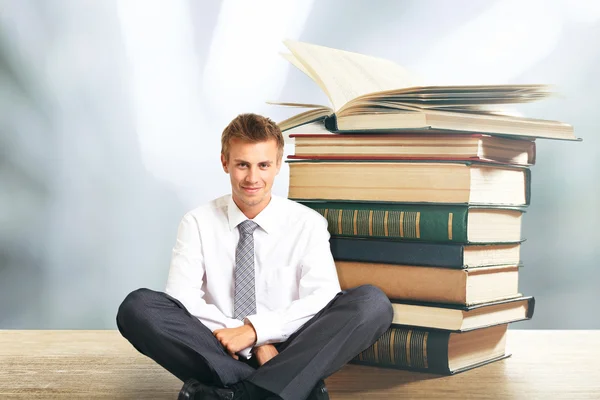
[(252, 175)]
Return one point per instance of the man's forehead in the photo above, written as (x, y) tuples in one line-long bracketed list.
[(240, 141), (247, 161), (246, 149)]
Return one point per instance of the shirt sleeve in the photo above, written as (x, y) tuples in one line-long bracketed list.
[(186, 277), (318, 286)]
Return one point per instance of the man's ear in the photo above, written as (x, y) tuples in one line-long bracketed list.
[(224, 163), (278, 164)]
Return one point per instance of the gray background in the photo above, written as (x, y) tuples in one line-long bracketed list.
[(111, 113)]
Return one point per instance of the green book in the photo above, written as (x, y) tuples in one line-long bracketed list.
[(421, 222), (434, 351)]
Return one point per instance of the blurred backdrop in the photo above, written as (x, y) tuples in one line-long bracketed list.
[(111, 114)]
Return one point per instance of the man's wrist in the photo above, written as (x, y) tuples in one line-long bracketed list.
[(251, 329)]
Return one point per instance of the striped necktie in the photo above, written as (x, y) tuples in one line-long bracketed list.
[(244, 302)]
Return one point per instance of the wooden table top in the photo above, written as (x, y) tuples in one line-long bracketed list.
[(101, 364)]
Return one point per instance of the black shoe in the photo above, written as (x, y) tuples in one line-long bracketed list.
[(194, 390), (319, 392)]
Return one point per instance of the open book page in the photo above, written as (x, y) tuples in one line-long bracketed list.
[(480, 94), (299, 105), (304, 118), (313, 128), (343, 75), (462, 98), (294, 61), (523, 88), (382, 106)]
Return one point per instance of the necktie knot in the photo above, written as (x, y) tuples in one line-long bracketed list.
[(247, 227)]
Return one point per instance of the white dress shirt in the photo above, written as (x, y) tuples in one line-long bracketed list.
[(295, 275)]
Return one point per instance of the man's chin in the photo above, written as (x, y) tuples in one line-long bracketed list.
[(253, 200)]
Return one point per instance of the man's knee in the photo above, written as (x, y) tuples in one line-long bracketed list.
[(134, 306), (371, 304)]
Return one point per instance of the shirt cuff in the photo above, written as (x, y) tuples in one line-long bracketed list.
[(267, 327), (232, 323), (246, 353)]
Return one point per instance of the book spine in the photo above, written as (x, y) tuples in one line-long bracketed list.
[(530, 308), (433, 224), (331, 123), (443, 255), (527, 186), (406, 348)]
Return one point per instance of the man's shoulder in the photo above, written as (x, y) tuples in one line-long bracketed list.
[(212, 209), (297, 212)]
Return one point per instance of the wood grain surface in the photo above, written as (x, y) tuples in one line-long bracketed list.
[(103, 365)]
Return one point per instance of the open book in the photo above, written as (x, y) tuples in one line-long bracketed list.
[(374, 94)]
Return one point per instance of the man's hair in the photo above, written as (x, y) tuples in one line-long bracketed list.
[(251, 128)]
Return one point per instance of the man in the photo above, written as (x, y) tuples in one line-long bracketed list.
[(253, 307)]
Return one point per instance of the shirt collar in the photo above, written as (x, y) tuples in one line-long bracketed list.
[(266, 219)]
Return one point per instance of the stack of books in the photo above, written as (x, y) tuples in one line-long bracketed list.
[(424, 189)]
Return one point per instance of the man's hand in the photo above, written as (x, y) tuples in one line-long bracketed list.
[(264, 353), (236, 339)]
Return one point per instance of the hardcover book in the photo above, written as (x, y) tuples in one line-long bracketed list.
[(460, 318), (444, 255), (420, 222), (433, 285), (474, 147), (409, 182), (374, 94), (439, 352)]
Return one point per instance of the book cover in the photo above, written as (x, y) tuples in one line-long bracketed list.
[(410, 146), (437, 320), (432, 351), (442, 255), (410, 181), (410, 222)]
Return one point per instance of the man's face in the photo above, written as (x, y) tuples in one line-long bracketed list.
[(252, 168)]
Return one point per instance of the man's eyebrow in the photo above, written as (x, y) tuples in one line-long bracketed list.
[(260, 162)]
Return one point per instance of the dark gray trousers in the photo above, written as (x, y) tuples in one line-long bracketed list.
[(160, 327)]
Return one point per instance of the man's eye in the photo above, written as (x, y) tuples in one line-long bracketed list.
[(264, 165)]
